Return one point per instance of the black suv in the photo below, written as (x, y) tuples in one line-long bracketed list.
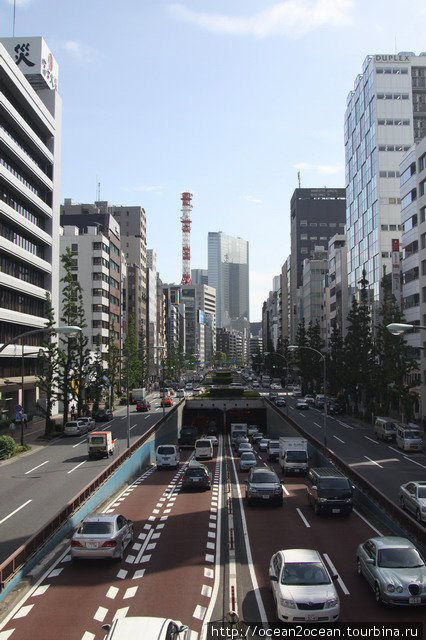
[(329, 491), (196, 476), (103, 415), (263, 484), (143, 405)]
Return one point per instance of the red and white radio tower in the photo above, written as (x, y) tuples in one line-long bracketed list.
[(186, 237)]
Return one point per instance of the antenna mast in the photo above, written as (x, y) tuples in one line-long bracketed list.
[(298, 179), (186, 237)]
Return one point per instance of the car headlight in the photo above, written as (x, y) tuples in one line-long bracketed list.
[(289, 604), (322, 499), (278, 490), (424, 509), (252, 489), (390, 588), (348, 499), (331, 603), (399, 589)]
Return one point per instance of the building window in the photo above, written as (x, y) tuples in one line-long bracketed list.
[(74, 247), (303, 223)]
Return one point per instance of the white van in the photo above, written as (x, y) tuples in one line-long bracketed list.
[(203, 449), (385, 428), (408, 439), (167, 455)]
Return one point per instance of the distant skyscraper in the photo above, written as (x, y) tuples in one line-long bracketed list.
[(385, 114), (199, 276), (228, 268)]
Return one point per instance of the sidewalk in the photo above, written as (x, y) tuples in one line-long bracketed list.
[(36, 427)]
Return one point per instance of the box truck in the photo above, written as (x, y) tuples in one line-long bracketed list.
[(293, 457)]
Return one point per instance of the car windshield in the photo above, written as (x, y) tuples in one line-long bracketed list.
[(264, 476), (248, 456), (245, 445), (422, 492), (389, 427), (274, 445), (395, 558), (297, 456), (203, 443), (413, 435), (71, 424), (97, 440), (333, 483), (96, 528), (195, 473), (304, 573), (166, 451)]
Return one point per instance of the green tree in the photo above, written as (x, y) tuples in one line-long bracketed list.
[(302, 357), (83, 354), (131, 356), (67, 350), (336, 362), (316, 375), (48, 367), (113, 363), (144, 357)]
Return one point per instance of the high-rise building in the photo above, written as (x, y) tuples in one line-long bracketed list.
[(228, 269), (285, 299), (338, 284), (316, 216), (151, 311), (385, 114), (30, 141), (199, 276), (314, 273)]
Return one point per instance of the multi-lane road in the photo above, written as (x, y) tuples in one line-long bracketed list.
[(33, 488), (194, 557)]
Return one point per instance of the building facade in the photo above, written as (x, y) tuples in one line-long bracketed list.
[(314, 271), (338, 284), (30, 145)]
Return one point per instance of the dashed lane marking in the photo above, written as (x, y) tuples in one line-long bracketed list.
[(339, 579), (206, 591), (317, 425), (208, 573), (4, 635), (339, 439), (306, 523), (374, 462), (16, 511), (87, 636), (371, 440), (23, 611), (379, 533), (414, 462), (41, 590), (347, 426), (209, 557), (285, 491), (112, 592), (130, 593), (121, 613), (76, 467), (138, 574), (100, 614), (37, 467), (122, 574), (55, 572)]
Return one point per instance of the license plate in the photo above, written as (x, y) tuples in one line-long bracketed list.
[(311, 618), (92, 545), (195, 479), (265, 497), (416, 600), (335, 511)]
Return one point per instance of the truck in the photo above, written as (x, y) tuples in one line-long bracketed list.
[(138, 394), (238, 429), (187, 436), (100, 444), (293, 456)]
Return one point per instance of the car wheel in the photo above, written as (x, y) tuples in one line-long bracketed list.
[(402, 502), (359, 567), (418, 515), (378, 594)]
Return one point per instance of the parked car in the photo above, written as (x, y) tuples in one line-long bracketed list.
[(329, 491), (102, 535), (412, 497), (143, 405), (263, 444), (146, 627), (247, 461), (310, 399), (166, 401), (263, 484), (302, 404), (196, 476), (394, 569), (103, 415), (243, 447), (302, 587), (76, 428)]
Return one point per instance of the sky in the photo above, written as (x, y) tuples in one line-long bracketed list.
[(226, 99)]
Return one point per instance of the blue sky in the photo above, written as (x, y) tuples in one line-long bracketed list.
[(225, 99)]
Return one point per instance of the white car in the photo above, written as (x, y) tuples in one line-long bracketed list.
[(75, 428), (302, 588), (102, 535), (214, 440), (89, 421), (412, 497), (145, 627), (310, 399)]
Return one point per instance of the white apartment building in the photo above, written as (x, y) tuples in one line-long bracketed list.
[(30, 145), (337, 284), (313, 291), (385, 115), (151, 310)]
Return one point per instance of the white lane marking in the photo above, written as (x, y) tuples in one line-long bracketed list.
[(138, 574), (4, 635), (339, 439), (88, 636), (379, 533), (347, 426), (206, 591), (41, 590), (285, 491), (144, 546), (37, 467), (79, 443), (393, 449), (414, 462), (121, 613), (16, 511), (199, 612), (371, 440), (374, 462), (100, 614), (130, 592), (112, 592), (23, 611), (339, 579), (79, 465), (208, 573), (210, 545), (133, 426), (303, 415), (318, 425), (55, 572), (306, 523), (122, 574)]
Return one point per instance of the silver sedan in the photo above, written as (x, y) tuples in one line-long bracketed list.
[(412, 497), (394, 569), (102, 535)]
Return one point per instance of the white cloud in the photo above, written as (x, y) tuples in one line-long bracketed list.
[(80, 51), (302, 165), (250, 198), (145, 187), (291, 17), (20, 3), (327, 169)]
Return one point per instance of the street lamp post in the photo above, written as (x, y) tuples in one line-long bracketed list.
[(398, 328), (162, 347), (267, 353), (293, 347), (128, 394), (71, 331)]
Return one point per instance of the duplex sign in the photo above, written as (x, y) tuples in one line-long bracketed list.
[(401, 57)]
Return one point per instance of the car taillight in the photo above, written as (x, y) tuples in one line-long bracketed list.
[(110, 543), (76, 543)]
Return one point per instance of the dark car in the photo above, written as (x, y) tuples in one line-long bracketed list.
[(143, 405), (264, 485), (333, 408), (273, 395), (329, 491), (257, 437), (280, 402), (196, 476), (103, 415)]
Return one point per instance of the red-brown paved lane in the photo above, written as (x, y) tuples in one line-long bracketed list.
[(272, 528), (170, 564)]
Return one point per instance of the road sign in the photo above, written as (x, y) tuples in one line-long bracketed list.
[(18, 408), (18, 416)]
